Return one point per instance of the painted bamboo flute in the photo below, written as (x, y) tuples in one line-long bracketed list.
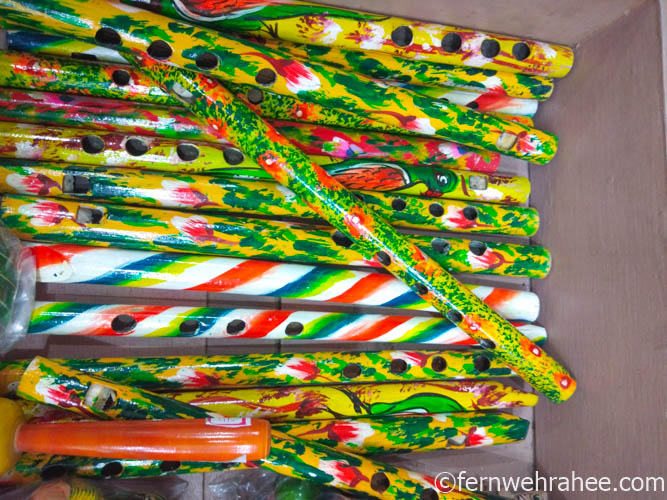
[(211, 439), (356, 400), (325, 25), (288, 456), (211, 102), (163, 374), (61, 263), (60, 144), (364, 436), (215, 194), (248, 63), (48, 220), (376, 65), (175, 123), (74, 318)]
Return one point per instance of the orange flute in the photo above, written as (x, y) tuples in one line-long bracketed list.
[(199, 440)]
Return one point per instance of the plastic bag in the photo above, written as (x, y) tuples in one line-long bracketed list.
[(17, 289), (168, 488)]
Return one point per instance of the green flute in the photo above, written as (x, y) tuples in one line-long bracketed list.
[(60, 144), (175, 123), (94, 224), (247, 63), (214, 194), (288, 456), (171, 373)]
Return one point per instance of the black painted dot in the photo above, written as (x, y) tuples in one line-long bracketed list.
[(421, 289), (353, 370), (454, 316), (207, 61), (83, 57), (402, 36), (441, 245), (341, 240), (112, 469), (189, 327), (490, 48), (482, 363), (451, 42), (235, 326), (53, 472), (470, 213), (120, 77), (429, 494), (473, 105), (294, 328), (107, 36), (136, 147), (383, 258), (187, 152), (233, 156), (92, 144), (255, 96), (379, 482), (123, 323), (398, 366), (266, 77), (398, 204), (477, 247), (159, 50), (486, 344), (170, 465), (520, 51), (438, 364), (436, 210)]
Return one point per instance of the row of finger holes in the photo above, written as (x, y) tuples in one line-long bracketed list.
[(435, 209), (451, 42), (112, 469), (134, 146)]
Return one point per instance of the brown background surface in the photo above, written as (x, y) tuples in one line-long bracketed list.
[(602, 202)]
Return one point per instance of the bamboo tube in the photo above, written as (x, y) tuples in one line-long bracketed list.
[(60, 263), (249, 63), (73, 318), (212, 439), (185, 191), (324, 25), (162, 374), (174, 123), (43, 219), (376, 65), (288, 455), (60, 144)]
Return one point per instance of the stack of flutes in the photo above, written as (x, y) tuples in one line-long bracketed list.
[(289, 150)]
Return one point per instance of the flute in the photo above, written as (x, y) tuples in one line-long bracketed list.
[(62, 263), (73, 318), (95, 224), (216, 194)]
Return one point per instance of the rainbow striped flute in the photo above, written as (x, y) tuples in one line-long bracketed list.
[(248, 63), (59, 263), (174, 123), (47, 382), (163, 374), (94, 224), (215, 194), (73, 318), (332, 26), (60, 144), (372, 64)]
